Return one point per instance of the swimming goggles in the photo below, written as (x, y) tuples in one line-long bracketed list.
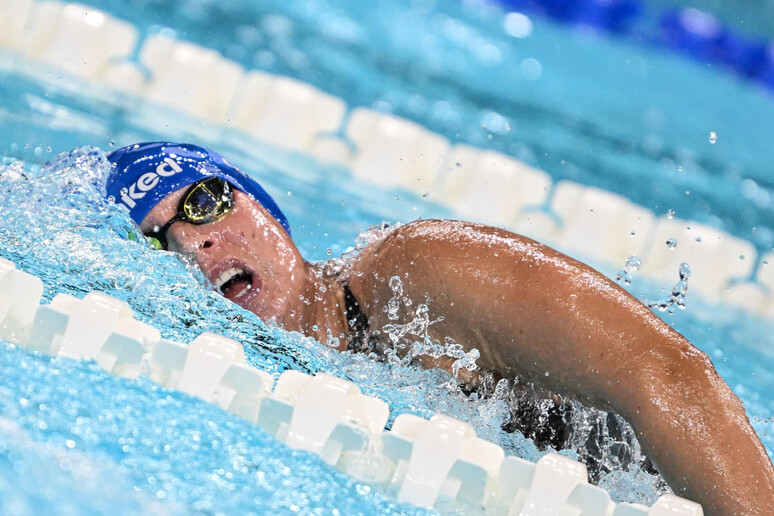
[(206, 201)]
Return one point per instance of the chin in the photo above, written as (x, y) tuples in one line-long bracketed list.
[(256, 306)]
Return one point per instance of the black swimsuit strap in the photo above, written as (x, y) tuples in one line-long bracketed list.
[(357, 320)]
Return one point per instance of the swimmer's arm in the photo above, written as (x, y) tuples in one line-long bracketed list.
[(536, 313)]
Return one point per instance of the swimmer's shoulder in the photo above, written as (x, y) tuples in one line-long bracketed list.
[(429, 250), (419, 239), (406, 243), (462, 259)]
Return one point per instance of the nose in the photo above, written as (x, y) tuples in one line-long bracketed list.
[(188, 238)]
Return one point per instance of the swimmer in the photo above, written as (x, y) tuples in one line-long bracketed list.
[(531, 311)]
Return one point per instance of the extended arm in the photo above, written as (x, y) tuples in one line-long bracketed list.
[(536, 313)]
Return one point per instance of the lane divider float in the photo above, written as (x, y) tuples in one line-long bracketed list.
[(438, 462)]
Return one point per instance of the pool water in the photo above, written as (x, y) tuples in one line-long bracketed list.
[(611, 112), (601, 111)]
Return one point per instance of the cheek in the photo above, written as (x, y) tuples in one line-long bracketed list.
[(261, 250)]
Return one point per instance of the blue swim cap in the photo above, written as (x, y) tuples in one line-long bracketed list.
[(145, 173)]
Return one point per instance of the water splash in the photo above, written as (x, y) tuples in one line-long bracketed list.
[(676, 298), (412, 340), (603, 441), (80, 243), (341, 266), (393, 305)]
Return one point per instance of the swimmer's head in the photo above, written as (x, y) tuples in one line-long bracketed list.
[(145, 173)]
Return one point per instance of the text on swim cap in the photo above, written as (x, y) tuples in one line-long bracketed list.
[(148, 181)]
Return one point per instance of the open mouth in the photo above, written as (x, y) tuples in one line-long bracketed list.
[(234, 283)]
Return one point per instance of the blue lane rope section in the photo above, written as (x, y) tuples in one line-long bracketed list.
[(688, 31)]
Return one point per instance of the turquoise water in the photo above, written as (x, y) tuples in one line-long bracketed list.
[(603, 112), (612, 112)]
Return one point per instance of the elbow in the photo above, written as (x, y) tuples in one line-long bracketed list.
[(670, 379)]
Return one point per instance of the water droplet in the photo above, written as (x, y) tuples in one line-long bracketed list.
[(698, 239), (426, 194), (713, 137), (671, 243), (111, 198), (632, 233), (124, 191), (329, 251), (632, 265), (670, 213)]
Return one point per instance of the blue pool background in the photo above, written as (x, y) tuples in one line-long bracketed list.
[(609, 112)]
